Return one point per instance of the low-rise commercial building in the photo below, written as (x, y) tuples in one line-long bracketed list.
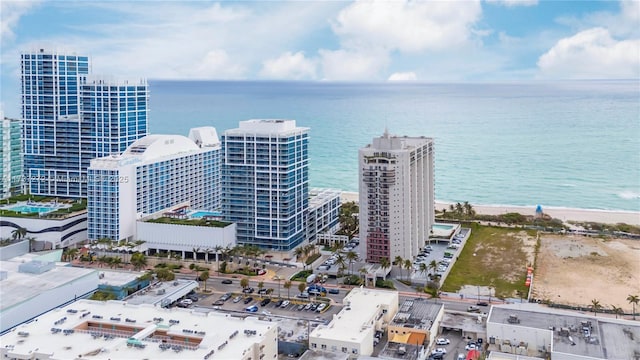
[(352, 330), (121, 283), (34, 284), (533, 330), (416, 323), (324, 211), (118, 330)]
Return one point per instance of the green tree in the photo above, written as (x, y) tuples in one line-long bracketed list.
[(164, 274), (244, 283), (351, 257), (633, 300), (384, 264), (301, 287), (260, 287), (18, 233), (617, 310), (423, 268), (407, 265), (278, 279), (363, 273), (348, 219), (138, 260), (115, 262), (595, 306), (399, 262), (433, 265), (218, 249), (287, 285), (204, 276)]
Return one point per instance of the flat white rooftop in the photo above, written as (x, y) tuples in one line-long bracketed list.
[(18, 287), (117, 330), (350, 323), (318, 196), (118, 278)]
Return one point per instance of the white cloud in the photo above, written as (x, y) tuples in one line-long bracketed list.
[(592, 54), (407, 26), (403, 76), (10, 14), (217, 64), (289, 66), (352, 65), (511, 3)]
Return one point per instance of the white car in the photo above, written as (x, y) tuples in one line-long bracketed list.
[(470, 347), (442, 341), (439, 351)]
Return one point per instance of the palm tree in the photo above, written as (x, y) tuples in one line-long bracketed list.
[(138, 260), (433, 265), (287, 285), (384, 264), (260, 286), (115, 262), (459, 209), (595, 306), (301, 287), (204, 276), (399, 262), (217, 250), (423, 268), (341, 260), (351, 257), (408, 265), (617, 310), (468, 209), (363, 272), (299, 253), (18, 233), (278, 279), (633, 300)]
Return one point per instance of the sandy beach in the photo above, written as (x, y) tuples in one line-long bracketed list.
[(564, 214)]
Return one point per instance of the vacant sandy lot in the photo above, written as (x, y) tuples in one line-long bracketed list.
[(575, 270)]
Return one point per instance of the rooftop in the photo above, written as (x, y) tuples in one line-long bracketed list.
[(162, 293), (115, 329), (118, 278), (417, 314), (266, 127), (323, 355), (19, 287), (360, 307), (319, 197), (190, 222), (606, 338), (400, 351)]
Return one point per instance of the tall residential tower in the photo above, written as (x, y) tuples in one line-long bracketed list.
[(396, 196), (11, 154), (69, 119), (265, 186)]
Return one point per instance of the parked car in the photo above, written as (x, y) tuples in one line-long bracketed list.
[(308, 306), (226, 297), (237, 299), (321, 307), (482, 303), (461, 357), (436, 356), (252, 308), (264, 302), (470, 346), (285, 304), (248, 290), (473, 309), (439, 351), (300, 307), (218, 303), (334, 291), (262, 291), (442, 341), (227, 281), (248, 300), (278, 303), (303, 295)]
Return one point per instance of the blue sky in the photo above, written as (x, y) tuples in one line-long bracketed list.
[(431, 41)]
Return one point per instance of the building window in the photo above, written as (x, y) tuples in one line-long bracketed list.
[(323, 346), (314, 345), (344, 349), (354, 351)]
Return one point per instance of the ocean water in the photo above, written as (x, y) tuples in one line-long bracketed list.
[(560, 144)]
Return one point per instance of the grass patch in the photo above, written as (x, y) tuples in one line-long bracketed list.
[(194, 222), (302, 275), (499, 262), (312, 258)]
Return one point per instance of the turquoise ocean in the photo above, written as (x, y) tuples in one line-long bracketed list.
[(573, 144)]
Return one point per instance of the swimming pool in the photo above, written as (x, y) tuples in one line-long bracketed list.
[(200, 214), (443, 226), (30, 209)]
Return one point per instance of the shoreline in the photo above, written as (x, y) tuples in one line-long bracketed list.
[(564, 214)]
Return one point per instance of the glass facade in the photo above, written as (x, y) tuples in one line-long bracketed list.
[(265, 186), (10, 152), (69, 120)]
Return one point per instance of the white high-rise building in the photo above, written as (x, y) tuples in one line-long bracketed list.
[(396, 195), (155, 173), (265, 187)]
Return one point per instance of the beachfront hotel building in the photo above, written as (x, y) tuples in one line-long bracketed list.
[(265, 186), (396, 195), (155, 173), (11, 154), (70, 118)]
